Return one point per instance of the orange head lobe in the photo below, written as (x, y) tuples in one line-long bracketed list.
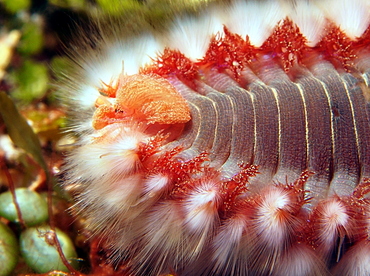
[(148, 98), (151, 98)]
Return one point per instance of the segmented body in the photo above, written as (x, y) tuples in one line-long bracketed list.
[(267, 176), (318, 122)]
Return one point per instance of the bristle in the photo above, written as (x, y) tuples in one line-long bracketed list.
[(229, 51), (122, 58), (353, 17), (112, 153), (173, 62), (337, 46), (301, 260), (230, 256), (287, 42), (270, 217), (254, 19), (191, 35), (155, 184), (164, 232), (116, 198), (310, 21), (201, 212), (356, 262), (332, 221)]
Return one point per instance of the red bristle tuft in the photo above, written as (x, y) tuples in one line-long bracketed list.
[(237, 185), (360, 206), (362, 190), (193, 165), (287, 43), (165, 162), (297, 187), (151, 147), (173, 62), (335, 45), (230, 51), (175, 169)]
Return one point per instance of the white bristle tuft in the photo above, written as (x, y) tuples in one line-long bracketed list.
[(300, 260), (353, 17), (133, 52), (84, 124), (164, 243), (230, 235), (356, 262), (271, 221), (201, 207), (112, 153), (123, 57), (121, 193), (201, 214), (86, 96), (310, 21), (333, 223), (228, 247), (192, 35), (155, 184), (154, 187), (116, 198), (254, 18)]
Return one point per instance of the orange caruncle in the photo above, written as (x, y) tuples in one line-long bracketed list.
[(151, 98)]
